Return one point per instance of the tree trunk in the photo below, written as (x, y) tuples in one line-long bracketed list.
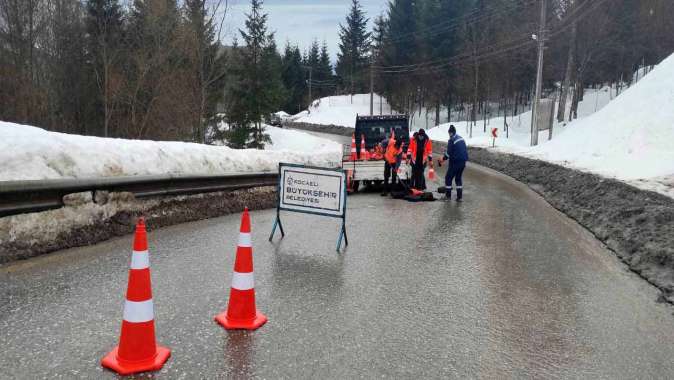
[(449, 108), (570, 69), (577, 94)]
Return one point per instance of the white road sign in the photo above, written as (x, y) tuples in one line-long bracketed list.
[(312, 190)]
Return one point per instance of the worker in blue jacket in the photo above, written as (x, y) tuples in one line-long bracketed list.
[(457, 154)]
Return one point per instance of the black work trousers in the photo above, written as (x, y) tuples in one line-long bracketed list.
[(418, 180), (390, 171)]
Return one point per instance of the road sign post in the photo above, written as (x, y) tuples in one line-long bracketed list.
[(311, 190)]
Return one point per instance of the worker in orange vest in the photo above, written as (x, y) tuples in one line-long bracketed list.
[(378, 152), (392, 159), (421, 153)]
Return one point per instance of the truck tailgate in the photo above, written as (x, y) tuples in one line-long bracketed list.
[(372, 170)]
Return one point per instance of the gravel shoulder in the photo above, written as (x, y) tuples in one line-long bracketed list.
[(84, 222)]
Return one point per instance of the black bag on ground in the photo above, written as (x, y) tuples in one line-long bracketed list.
[(399, 194), (424, 197)]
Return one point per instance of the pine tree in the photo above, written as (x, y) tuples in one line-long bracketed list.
[(274, 92), (293, 79), (379, 33), (313, 56), (324, 72), (352, 58), (260, 86), (400, 49)]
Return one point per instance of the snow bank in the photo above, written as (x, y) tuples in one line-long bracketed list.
[(288, 140), (30, 153), (341, 110), (629, 139)]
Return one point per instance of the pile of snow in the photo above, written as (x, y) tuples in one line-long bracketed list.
[(341, 110), (30, 153), (290, 140), (629, 139)]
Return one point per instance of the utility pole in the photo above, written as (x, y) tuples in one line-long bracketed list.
[(381, 105), (371, 90), (539, 75), (310, 81)]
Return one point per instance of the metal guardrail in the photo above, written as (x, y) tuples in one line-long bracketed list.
[(19, 197)]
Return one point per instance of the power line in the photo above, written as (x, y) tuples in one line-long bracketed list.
[(468, 19), (492, 50)]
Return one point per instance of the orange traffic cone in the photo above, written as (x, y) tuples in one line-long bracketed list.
[(431, 172), (364, 155), (354, 154), (137, 350), (241, 311)]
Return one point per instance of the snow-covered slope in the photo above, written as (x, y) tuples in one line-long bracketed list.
[(288, 140), (629, 139), (341, 110), (32, 153)]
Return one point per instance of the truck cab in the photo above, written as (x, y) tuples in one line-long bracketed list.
[(376, 129)]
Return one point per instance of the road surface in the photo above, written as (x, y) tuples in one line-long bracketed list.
[(501, 286)]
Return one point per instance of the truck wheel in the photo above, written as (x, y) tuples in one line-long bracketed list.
[(355, 185)]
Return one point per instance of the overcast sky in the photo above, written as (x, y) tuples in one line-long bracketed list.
[(300, 21)]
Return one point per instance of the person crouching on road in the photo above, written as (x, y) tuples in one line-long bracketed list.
[(457, 154), (392, 159), (420, 152)]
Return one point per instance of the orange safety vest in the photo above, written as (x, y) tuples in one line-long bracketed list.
[(391, 152), (378, 152), (428, 149)]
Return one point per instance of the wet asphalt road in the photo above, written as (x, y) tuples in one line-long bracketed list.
[(501, 286)]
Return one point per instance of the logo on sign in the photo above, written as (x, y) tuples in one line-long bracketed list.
[(307, 191)]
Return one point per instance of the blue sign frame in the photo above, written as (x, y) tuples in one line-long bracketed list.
[(278, 224)]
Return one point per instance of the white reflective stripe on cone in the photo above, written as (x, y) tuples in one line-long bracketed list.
[(245, 240), (137, 312), (243, 281), (140, 260)]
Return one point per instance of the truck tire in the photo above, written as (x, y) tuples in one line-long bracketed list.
[(355, 185)]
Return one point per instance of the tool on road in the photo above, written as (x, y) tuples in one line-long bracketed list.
[(431, 172), (349, 181), (138, 350), (242, 313)]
